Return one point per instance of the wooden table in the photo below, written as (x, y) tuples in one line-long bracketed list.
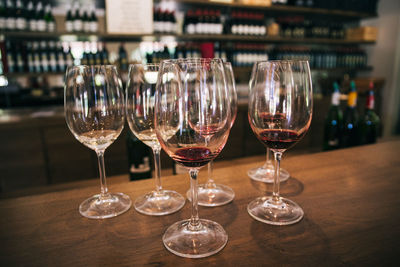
[(351, 200)]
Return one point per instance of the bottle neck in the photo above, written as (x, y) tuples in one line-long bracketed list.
[(370, 104)]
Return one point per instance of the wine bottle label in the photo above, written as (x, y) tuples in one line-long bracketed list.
[(41, 25), (31, 65), (53, 62), (69, 26), (20, 62), (234, 29), (3, 23), (51, 26), (333, 142), (352, 99), (33, 25), (86, 26), (78, 25), (370, 102), (93, 26), (191, 28), (37, 62), (335, 99), (60, 61), (10, 23), (21, 24), (10, 62)]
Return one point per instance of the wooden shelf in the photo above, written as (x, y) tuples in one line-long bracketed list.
[(283, 9), (180, 37)]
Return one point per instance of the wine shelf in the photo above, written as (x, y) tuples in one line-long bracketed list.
[(180, 37), (281, 9), (236, 70)]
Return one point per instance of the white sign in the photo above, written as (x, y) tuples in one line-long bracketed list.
[(129, 16)]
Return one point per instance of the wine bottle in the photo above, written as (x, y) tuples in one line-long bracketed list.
[(69, 21), (52, 56), (21, 17), (350, 120), (94, 24), (138, 158), (49, 18), (60, 57), (36, 57), (30, 59), (44, 57), (369, 125), (85, 21), (122, 58), (40, 17), (333, 122), (11, 60), (77, 19), (3, 16), (31, 17), (11, 16), (104, 55)]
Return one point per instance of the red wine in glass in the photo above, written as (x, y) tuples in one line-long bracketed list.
[(193, 157), (279, 139)]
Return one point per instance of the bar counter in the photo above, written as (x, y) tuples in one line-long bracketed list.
[(350, 198)]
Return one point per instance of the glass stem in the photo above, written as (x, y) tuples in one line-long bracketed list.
[(267, 160), (194, 219), (157, 169), (102, 172), (275, 192), (210, 181)]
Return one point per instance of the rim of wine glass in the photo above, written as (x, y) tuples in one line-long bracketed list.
[(145, 64), (282, 61), (108, 66), (93, 66), (190, 60)]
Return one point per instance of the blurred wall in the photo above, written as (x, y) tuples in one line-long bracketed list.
[(385, 57)]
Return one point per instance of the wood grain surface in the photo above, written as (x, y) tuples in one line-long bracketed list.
[(350, 198)]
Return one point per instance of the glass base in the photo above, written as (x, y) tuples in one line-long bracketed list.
[(213, 196), (267, 210), (203, 240), (266, 175), (161, 203), (98, 207)]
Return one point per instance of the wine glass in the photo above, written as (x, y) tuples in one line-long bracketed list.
[(266, 172), (280, 112), (94, 112), (139, 105), (211, 194), (192, 123)]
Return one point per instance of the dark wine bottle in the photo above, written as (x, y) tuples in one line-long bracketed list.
[(20, 12), (40, 17), (138, 158), (31, 17), (122, 58), (69, 21), (85, 21), (77, 19), (350, 121), (49, 18), (370, 123), (94, 24), (3, 16), (11, 16), (333, 122)]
